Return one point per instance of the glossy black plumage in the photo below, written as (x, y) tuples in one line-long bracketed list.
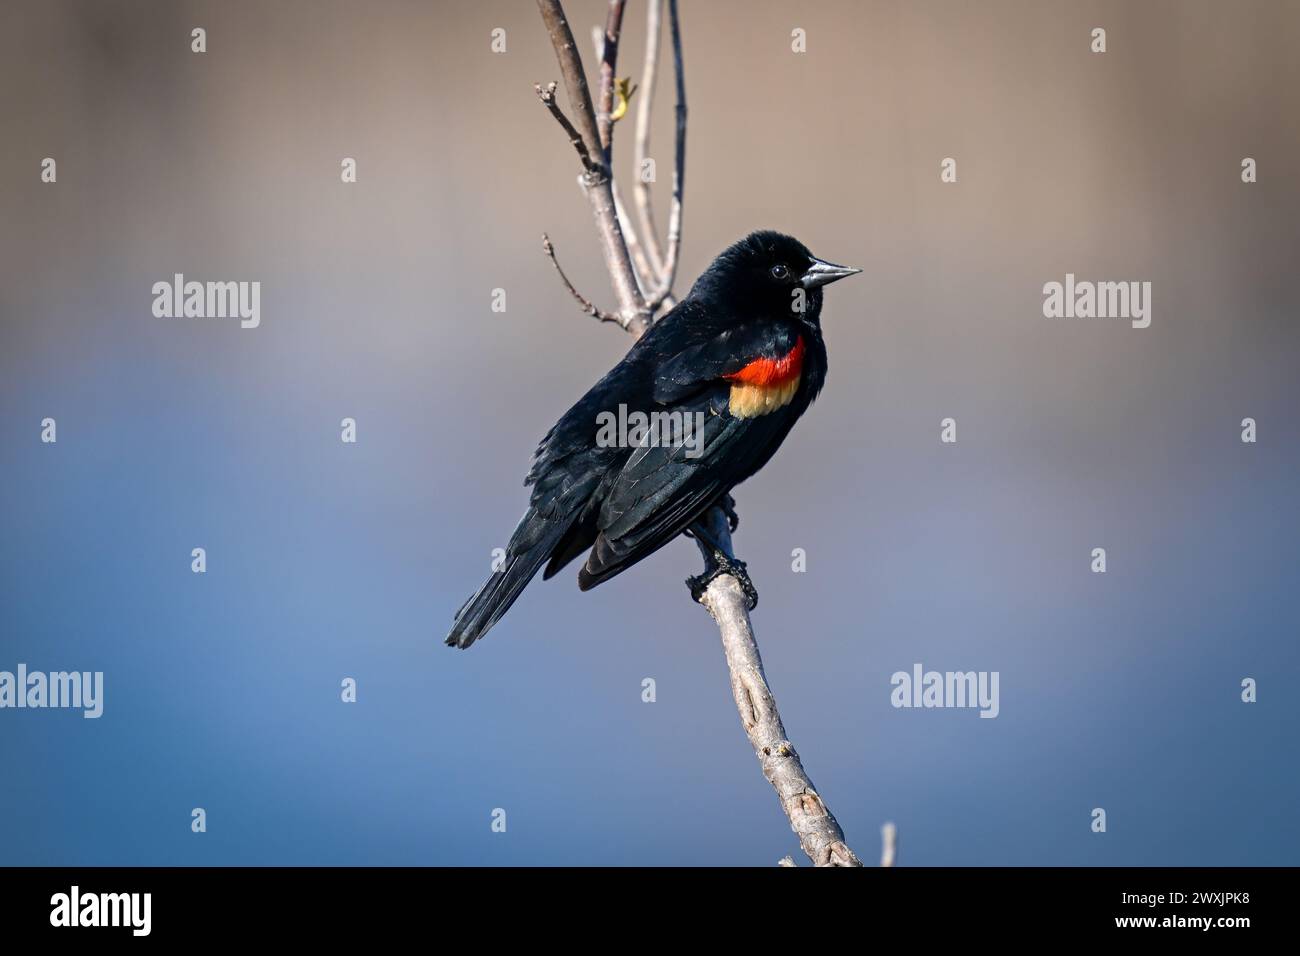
[(759, 299)]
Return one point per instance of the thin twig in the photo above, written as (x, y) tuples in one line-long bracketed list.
[(641, 194), (600, 193), (669, 273), (575, 80), (583, 301), (646, 277), (608, 59), (547, 96)]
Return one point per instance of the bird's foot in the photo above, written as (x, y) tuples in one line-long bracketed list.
[(728, 506), (718, 565)]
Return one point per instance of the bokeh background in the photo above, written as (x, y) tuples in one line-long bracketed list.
[(328, 560)]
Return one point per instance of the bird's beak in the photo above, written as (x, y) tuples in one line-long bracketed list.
[(822, 273)]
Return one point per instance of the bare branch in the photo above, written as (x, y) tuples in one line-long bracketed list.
[(575, 80), (608, 59), (583, 301), (888, 844), (600, 193), (668, 274), (547, 96), (819, 833), (646, 277), (641, 194)]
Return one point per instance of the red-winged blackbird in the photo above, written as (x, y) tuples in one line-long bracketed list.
[(741, 356)]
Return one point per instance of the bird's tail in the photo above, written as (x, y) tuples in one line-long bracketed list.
[(530, 546)]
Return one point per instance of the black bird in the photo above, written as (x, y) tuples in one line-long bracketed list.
[(742, 356)]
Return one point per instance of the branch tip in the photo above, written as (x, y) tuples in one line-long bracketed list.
[(587, 305), (547, 96)]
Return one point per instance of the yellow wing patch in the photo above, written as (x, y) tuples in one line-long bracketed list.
[(750, 401), (766, 384)]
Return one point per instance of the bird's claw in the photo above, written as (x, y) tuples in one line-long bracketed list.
[(718, 565), (728, 506)]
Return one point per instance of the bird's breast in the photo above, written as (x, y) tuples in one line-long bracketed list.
[(766, 384)]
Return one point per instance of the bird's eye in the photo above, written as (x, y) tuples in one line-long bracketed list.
[(779, 271)]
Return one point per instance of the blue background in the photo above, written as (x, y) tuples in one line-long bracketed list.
[(328, 560)]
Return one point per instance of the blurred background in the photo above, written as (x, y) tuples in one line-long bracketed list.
[(329, 560)]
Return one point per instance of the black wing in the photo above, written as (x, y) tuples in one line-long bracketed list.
[(704, 363), (661, 489)]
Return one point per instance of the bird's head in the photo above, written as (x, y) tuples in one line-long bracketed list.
[(769, 273)]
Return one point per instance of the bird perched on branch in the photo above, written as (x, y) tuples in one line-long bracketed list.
[(718, 383)]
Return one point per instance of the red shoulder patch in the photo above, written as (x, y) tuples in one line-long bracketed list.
[(767, 372)]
